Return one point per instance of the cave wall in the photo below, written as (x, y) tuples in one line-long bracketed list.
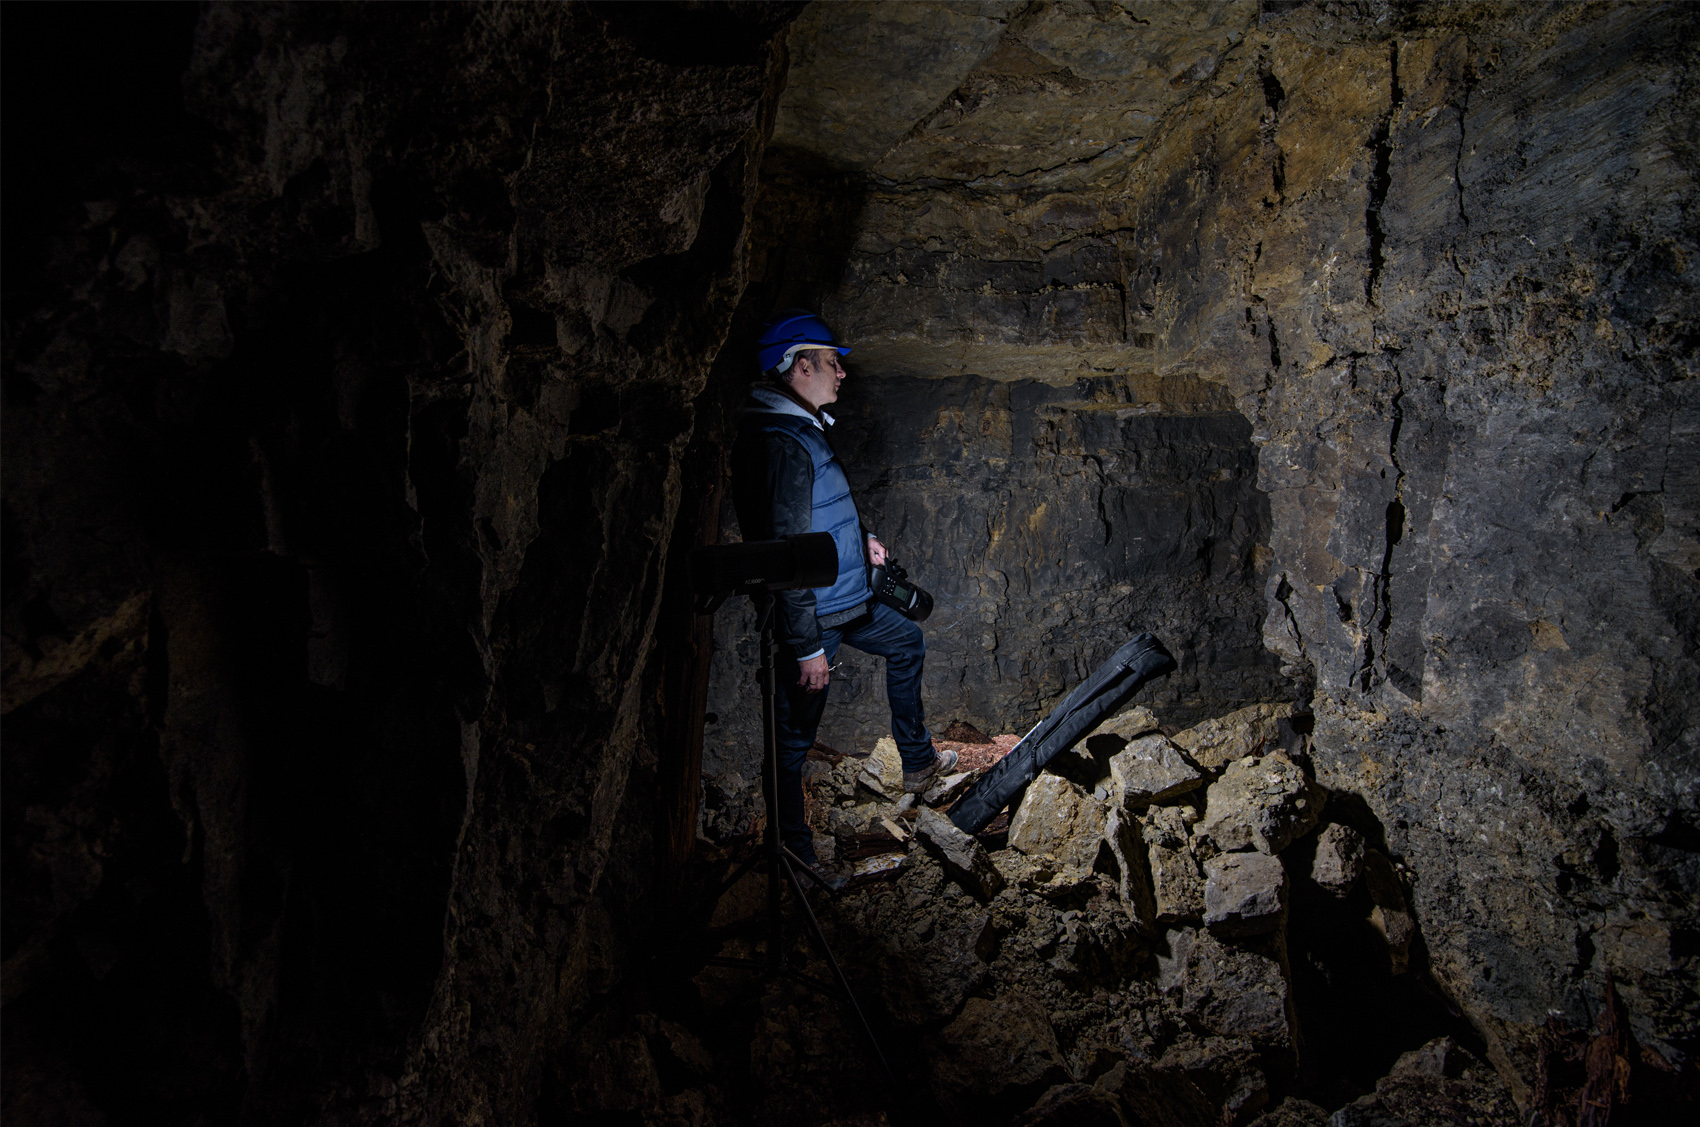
[(1441, 260), (1465, 329), (1050, 523), (359, 362), (349, 362)]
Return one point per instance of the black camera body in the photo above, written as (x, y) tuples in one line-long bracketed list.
[(892, 587)]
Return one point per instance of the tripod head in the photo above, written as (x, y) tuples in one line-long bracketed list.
[(760, 566)]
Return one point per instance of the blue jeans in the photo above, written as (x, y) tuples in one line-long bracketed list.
[(884, 633)]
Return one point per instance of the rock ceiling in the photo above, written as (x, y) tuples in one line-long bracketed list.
[(1000, 96)]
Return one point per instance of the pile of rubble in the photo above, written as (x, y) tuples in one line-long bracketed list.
[(1123, 943)]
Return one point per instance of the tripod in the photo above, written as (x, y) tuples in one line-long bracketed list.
[(783, 865)]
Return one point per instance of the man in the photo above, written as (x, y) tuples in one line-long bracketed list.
[(787, 480)]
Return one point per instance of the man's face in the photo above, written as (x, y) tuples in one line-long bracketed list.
[(816, 374)]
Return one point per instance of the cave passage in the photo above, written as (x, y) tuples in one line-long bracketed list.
[(368, 374)]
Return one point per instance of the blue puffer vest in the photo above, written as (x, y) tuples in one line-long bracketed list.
[(833, 510)]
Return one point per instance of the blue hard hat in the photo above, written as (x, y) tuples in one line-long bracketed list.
[(789, 332)]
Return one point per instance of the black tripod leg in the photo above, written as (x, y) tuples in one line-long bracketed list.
[(775, 848), (808, 871), (838, 974), (771, 845), (738, 874)]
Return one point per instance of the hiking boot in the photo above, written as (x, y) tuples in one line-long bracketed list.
[(915, 781)]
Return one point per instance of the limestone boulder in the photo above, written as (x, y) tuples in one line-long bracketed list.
[(1293, 1112), (1236, 990), (1122, 833), (1043, 875), (1437, 1060), (1199, 1080), (1119, 731), (1151, 769), (1261, 804), (1216, 743), (1440, 1082), (929, 961), (965, 860), (1339, 859), (1391, 916), (1244, 894), (861, 818), (920, 940), (839, 784), (1059, 819), (1074, 1105), (1168, 826), (1177, 888), (1128, 724), (1095, 944), (997, 1053), (945, 789), (874, 785), (886, 764), (1227, 1071), (1082, 765)]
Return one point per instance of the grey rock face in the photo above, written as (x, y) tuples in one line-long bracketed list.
[(1059, 819), (1150, 769), (1244, 894), (1339, 859), (964, 858), (1260, 804)]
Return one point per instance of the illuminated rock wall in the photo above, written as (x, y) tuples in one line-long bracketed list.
[(1437, 259)]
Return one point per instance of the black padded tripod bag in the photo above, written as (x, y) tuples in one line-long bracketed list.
[(1091, 702)]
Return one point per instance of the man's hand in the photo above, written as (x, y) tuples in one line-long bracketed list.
[(876, 551), (814, 673)]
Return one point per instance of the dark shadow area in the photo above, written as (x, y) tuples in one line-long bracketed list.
[(1359, 1006), (256, 794)]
